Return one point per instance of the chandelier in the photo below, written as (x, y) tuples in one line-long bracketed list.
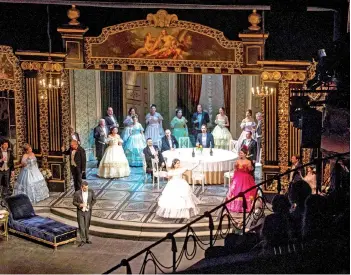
[(262, 91)]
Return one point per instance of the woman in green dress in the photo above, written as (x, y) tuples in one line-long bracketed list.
[(178, 125)]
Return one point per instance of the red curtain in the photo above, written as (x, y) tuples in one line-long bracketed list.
[(194, 83), (226, 91)]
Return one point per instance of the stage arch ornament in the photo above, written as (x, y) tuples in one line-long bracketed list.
[(11, 79), (163, 43)]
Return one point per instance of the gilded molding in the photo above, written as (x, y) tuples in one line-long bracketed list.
[(161, 18), (39, 66), (287, 75), (16, 84)]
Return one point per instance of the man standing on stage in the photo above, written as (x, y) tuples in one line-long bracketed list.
[(259, 118), (100, 135), (78, 163), (198, 119), (84, 199), (7, 168), (110, 119)]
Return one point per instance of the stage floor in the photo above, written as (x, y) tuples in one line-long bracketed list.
[(126, 207)]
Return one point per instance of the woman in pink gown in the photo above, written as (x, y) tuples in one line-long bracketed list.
[(242, 181)]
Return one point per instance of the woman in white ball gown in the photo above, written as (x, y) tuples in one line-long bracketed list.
[(177, 200), (248, 124), (30, 181), (114, 163)]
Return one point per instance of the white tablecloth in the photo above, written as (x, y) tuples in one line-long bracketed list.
[(220, 161)]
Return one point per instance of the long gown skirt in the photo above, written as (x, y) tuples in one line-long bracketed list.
[(178, 200), (222, 137), (134, 147), (241, 182), (114, 163), (31, 182), (180, 132)]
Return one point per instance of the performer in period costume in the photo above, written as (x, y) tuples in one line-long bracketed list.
[(299, 173), (178, 125), (205, 139), (250, 145), (78, 162), (7, 168), (135, 144), (177, 200), (199, 118), (128, 124), (110, 119), (84, 199), (247, 124), (259, 118), (74, 135), (311, 179), (220, 133), (100, 135), (242, 181), (114, 163), (169, 142), (154, 128), (30, 181), (152, 152)]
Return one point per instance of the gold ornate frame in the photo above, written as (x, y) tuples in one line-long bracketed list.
[(163, 19), (16, 84)]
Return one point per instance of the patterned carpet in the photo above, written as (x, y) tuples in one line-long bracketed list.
[(130, 199)]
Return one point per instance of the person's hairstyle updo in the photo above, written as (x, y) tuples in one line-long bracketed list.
[(26, 146), (244, 150), (174, 162), (312, 169), (130, 110), (178, 110), (111, 130), (133, 117), (222, 109), (249, 111), (152, 105)]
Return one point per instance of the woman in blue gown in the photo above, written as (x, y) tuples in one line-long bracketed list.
[(128, 123), (30, 181), (135, 144)]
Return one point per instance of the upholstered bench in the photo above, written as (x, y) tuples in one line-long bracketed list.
[(23, 221)]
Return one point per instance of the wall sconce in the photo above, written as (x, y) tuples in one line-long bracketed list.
[(262, 91)]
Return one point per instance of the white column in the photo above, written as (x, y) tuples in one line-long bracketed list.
[(172, 98), (233, 118)]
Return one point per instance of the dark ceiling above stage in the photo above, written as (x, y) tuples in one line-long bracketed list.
[(292, 35)]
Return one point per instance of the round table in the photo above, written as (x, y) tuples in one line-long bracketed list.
[(214, 166)]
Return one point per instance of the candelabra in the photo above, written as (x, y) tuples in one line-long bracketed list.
[(262, 91)]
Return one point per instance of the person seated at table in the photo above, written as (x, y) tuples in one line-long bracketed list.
[(152, 152), (177, 200), (169, 142), (205, 139)]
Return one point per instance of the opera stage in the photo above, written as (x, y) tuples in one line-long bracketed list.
[(126, 207)]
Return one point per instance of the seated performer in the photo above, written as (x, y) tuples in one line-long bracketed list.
[(152, 152), (205, 139), (169, 142), (114, 163), (177, 200)]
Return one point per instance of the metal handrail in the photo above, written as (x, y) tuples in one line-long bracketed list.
[(207, 214)]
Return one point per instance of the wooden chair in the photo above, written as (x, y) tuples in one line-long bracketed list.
[(184, 142), (144, 167), (230, 174), (157, 173), (4, 223), (198, 174)]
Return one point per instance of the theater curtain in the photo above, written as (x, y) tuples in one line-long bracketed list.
[(194, 89), (226, 91)]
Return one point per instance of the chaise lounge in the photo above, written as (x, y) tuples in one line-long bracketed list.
[(23, 221)]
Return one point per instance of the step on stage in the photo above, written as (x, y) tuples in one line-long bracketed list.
[(126, 207)]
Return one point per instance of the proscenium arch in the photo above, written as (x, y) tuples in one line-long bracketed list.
[(232, 50)]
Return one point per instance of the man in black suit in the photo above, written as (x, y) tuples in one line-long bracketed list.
[(7, 168), (84, 199), (78, 163), (299, 174), (259, 118), (169, 142), (251, 146), (205, 139), (110, 119), (152, 152), (100, 135), (198, 119)]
